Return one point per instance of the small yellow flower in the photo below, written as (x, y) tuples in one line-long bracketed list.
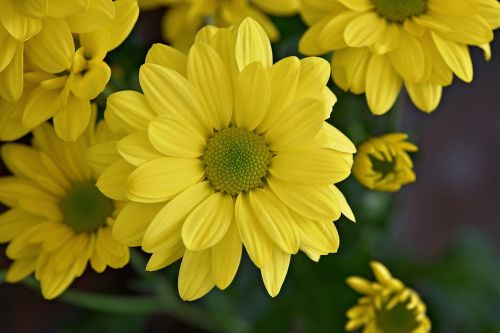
[(61, 82), (387, 306), (223, 149), (383, 164), (184, 18), (379, 45), (58, 220)]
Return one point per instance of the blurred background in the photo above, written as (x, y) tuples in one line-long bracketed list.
[(441, 235)]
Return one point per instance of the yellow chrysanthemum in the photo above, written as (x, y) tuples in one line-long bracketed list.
[(383, 164), (387, 306), (382, 44), (226, 148), (21, 22), (60, 81), (184, 18), (58, 221)]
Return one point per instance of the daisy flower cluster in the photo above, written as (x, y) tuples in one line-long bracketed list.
[(223, 150)]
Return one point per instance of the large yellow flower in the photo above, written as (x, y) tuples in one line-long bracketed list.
[(60, 81), (383, 163), (387, 306), (58, 221), (382, 44), (226, 148), (184, 18), (21, 21)]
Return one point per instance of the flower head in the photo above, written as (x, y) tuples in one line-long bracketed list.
[(66, 71), (223, 149), (383, 164), (184, 18), (382, 44), (58, 220), (387, 306)]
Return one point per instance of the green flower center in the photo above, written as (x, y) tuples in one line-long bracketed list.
[(385, 167), (398, 11), (397, 320), (236, 160), (84, 208)]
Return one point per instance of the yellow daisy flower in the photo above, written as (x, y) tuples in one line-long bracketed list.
[(21, 21), (58, 220), (382, 44), (387, 306), (62, 84), (223, 149), (184, 18), (383, 164)]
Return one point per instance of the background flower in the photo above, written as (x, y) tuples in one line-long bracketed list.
[(382, 44), (383, 163), (184, 18), (387, 305), (59, 221), (61, 79)]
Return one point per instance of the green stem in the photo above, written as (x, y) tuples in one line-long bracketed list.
[(131, 304)]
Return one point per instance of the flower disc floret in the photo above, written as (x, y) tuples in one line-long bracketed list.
[(85, 208), (236, 160), (399, 11)]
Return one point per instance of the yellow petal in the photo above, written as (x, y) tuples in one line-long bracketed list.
[(132, 222), (226, 256), (136, 149), (365, 30), (300, 124), (319, 236), (195, 275), (349, 68), (21, 27), (14, 222), (208, 223), (274, 272), (211, 78), (408, 58), (160, 179), (169, 57), (128, 112), (284, 77), (113, 181), (102, 155), (456, 56), (426, 96), (315, 203), (97, 16), (42, 105), (20, 269), (165, 229), (166, 256), (176, 138), (11, 78), (252, 44), (383, 85), (257, 243), (89, 85), (53, 48), (310, 167), (63, 8), (71, 121), (253, 95), (168, 92), (275, 219), (126, 14)]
